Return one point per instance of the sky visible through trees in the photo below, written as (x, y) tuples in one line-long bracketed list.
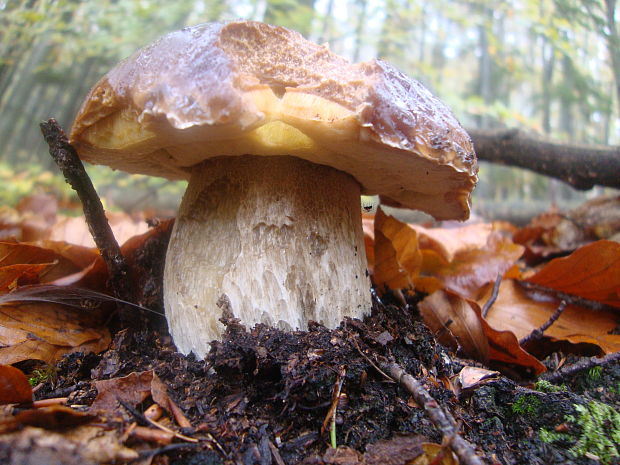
[(551, 67)]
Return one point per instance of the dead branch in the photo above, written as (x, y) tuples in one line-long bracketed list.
[(581, 166), (441, 418), (584, 364), (72, 168)]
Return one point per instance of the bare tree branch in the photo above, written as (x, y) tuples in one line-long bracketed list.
[(581, 166)]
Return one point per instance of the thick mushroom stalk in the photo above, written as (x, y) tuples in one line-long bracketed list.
[(274, 240)]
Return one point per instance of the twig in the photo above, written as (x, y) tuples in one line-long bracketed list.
[(441, 418), (585, 364), (542, 293), (538, 332), (489, 303), (369, 360), (162, 450), (275, 453), (72, 168), (144, 421), (49, 402)]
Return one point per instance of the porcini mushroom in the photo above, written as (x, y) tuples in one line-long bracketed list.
[(278, 138)]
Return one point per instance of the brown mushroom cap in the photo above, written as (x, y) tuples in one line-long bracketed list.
[(227, 89)]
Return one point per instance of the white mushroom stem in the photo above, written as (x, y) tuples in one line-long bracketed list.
[(274, 240)]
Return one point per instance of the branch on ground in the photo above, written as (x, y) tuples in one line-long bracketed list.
[(73, 170), (440, 417), (581, 166)]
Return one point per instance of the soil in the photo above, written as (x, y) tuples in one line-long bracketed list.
[(263, 389)]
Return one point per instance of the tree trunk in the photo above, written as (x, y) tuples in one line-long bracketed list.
[(613, 45)]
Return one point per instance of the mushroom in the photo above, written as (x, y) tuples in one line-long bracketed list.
[(278, 138)]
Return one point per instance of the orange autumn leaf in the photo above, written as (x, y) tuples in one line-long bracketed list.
[(447, 242), (460, 321), (12, 253), (454, 323), (591, 272), (396, 253), (14, 386), (516, 312), (13, 275), (471, 269), (46, 331)]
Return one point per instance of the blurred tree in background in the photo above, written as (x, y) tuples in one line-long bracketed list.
[(549, 66)]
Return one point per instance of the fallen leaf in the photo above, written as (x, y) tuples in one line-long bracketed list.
[(516, 312), (133, 389), (50, 418), (470, 269), (462, 260), (45, 331), (474, 377), (397, 256), (12, 253), (459, 322), (591, 272), (84, 445), (14, 386), (455, 324), (12, 276), (448, 242)]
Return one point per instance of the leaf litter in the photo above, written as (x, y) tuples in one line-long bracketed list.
[(262, 395)]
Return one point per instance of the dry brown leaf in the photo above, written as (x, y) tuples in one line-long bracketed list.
[(447, 242), (450, 315), (12, 276), (591, 272), (33, 349), (455, 324), (474, 377), (472, 268), (45, 331), (12, 253), (55, 417), (462, 260), (14, 386), (84, 445), (397, 256), (133, 389), (516, 312), (80, 256)]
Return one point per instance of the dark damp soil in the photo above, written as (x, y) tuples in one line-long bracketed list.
[(262, 389)]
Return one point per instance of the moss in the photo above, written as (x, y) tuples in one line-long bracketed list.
[(545, 386), (527, 405), (599, 426), (41, 375)]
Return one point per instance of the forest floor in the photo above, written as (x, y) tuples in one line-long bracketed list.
[(263, 396)]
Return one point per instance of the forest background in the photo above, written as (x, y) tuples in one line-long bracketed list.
[(551, 67)]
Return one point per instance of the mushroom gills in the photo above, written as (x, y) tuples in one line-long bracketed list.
[(265, 239)]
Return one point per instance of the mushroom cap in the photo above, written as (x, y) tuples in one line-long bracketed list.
[(228, 89)]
